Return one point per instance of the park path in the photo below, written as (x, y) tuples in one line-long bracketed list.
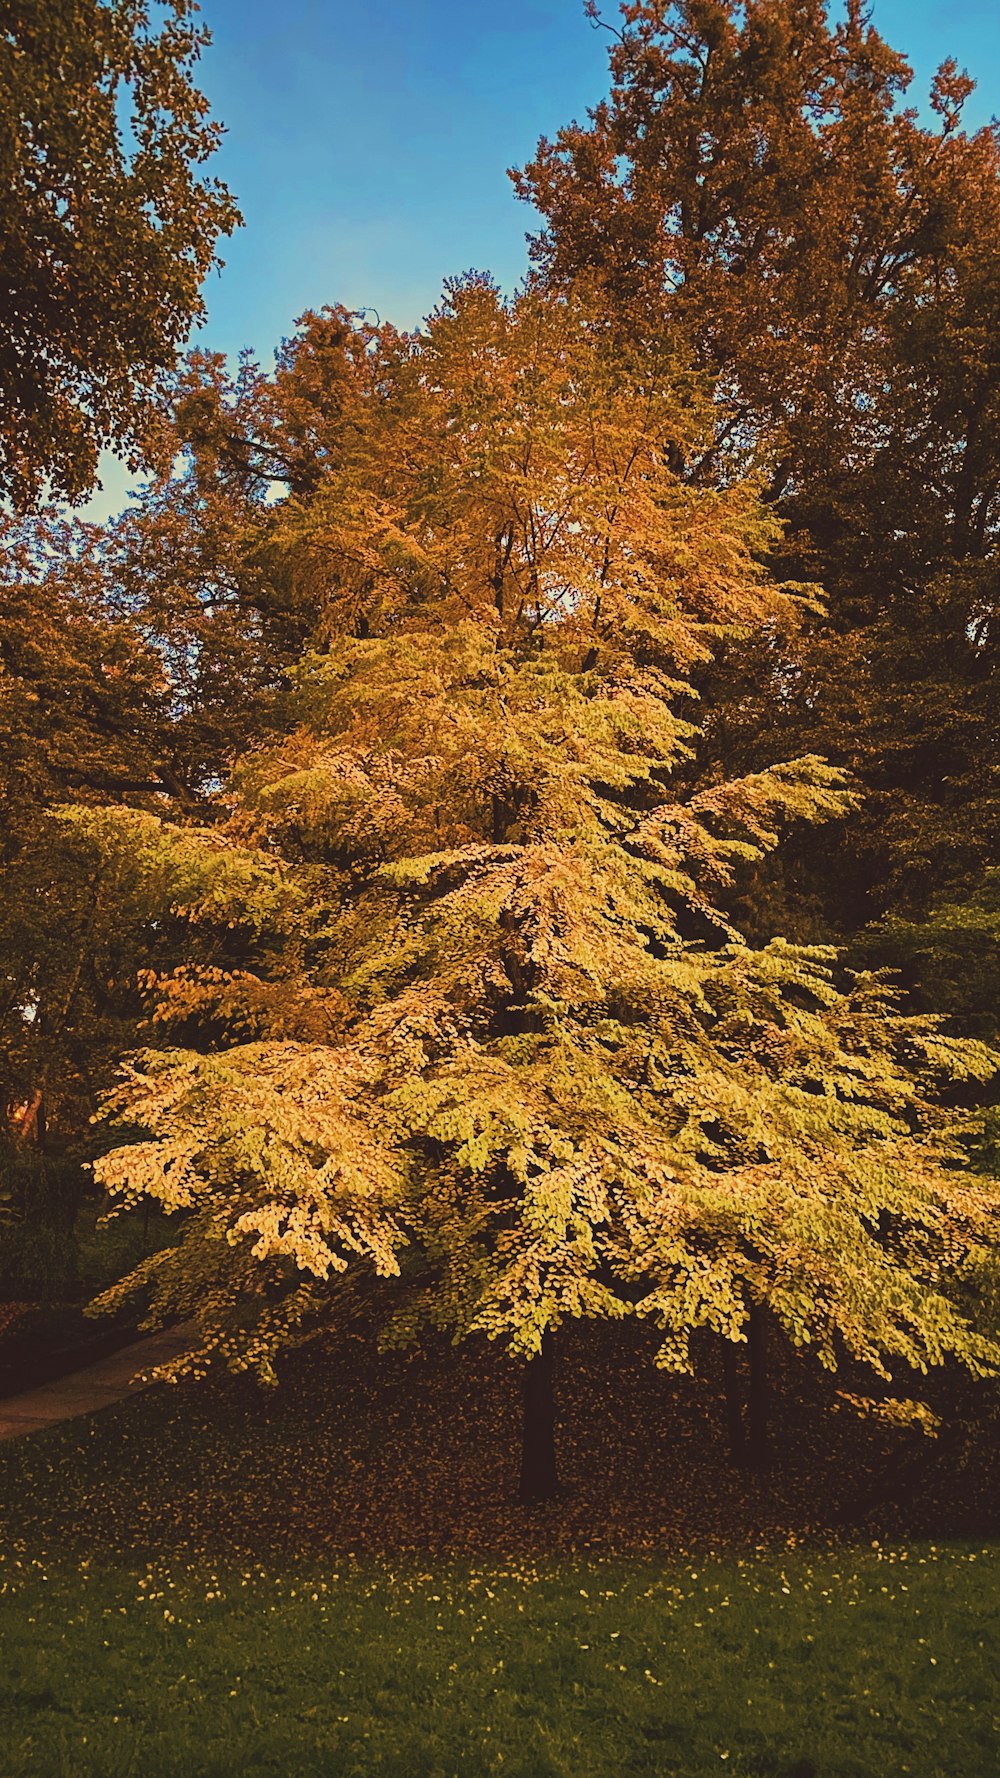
[(98, 1386)]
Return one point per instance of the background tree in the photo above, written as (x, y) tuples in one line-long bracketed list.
[(198, 559), (84, 699), (755, 179), (107, 228)]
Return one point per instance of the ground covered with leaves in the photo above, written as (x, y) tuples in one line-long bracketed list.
[(361, 1454)]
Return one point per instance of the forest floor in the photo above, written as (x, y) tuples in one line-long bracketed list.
[(333, 1578), (418, 1452)]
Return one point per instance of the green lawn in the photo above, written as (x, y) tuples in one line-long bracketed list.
[(871, 1662)]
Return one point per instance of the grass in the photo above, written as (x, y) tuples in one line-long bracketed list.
[(837, 1664)]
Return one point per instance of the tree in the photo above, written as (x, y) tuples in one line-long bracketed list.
[(198, 558), (755, 179), (556, 1083), (108, 229), (84, 702), (950, 959)]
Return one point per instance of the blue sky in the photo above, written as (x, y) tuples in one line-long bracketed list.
[(368, 143)]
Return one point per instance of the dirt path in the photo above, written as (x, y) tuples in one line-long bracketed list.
[(98, 1386)]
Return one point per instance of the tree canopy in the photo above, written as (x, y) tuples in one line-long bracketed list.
[(757, 181), (107, 228), (519, 1065)]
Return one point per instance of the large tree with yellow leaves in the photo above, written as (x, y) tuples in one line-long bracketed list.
[(518, 1065)]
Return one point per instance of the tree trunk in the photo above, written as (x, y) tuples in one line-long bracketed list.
[(25, 1123), (539, 1480), (758, 1397), (734, 1405)]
